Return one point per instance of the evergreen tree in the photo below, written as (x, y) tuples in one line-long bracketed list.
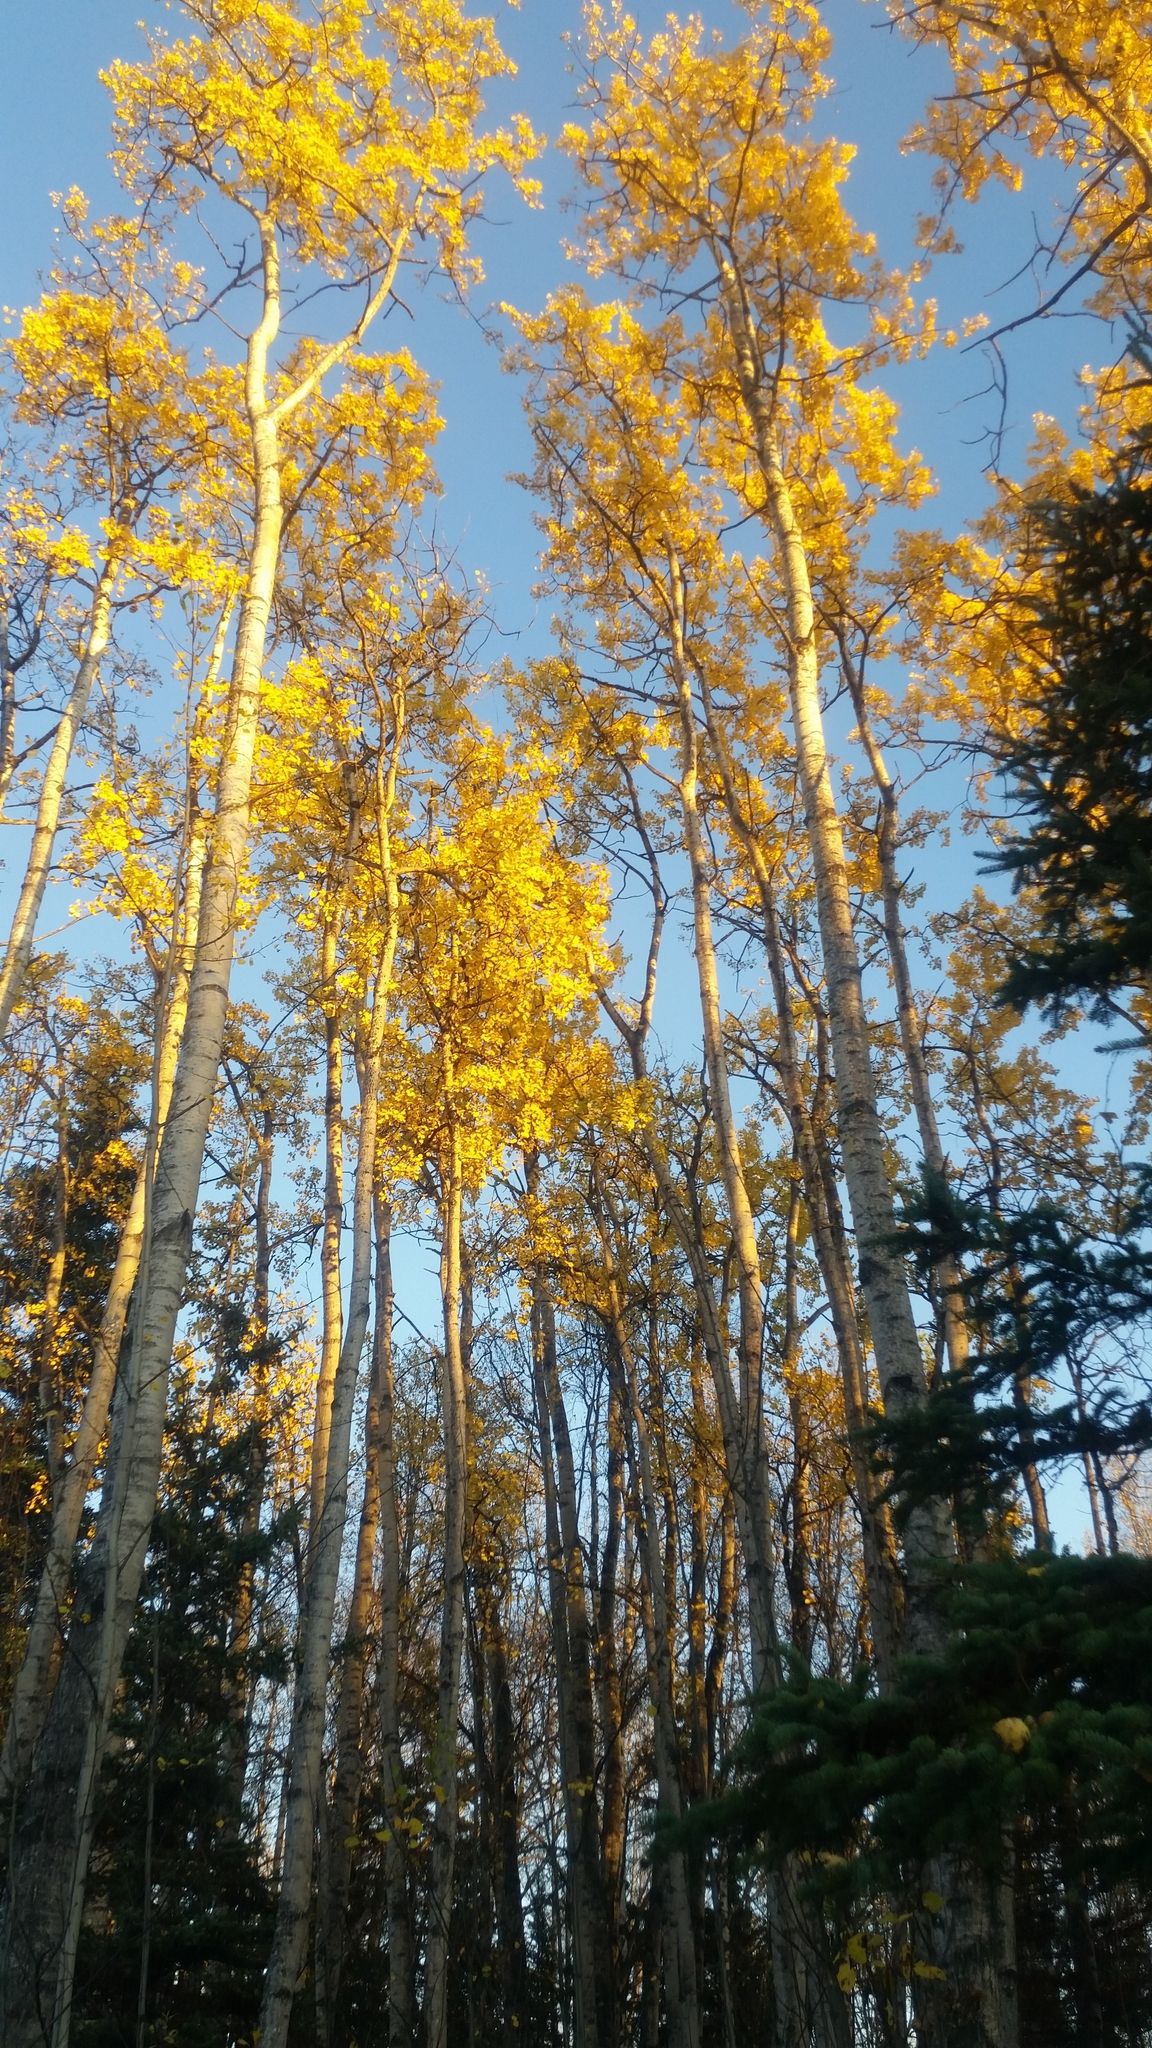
[(63, 1203), (180, 1908), (1081, 769)]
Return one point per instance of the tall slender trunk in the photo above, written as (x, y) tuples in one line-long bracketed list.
[(473, 1907), (22, 936), (239, 1687), (949, 1283), (609, 1692), (972, 1938), (681, 1992), (401, 2027), (592, 1976), (698, 1770), (53, 1826), (350, 1747), (49, 1331), (753, 1488), (326, 1537), (896, 1342), (445, 1748), (332, 1229), (500, 1798), (32, 1689), (798, 1509), (826, 1221)]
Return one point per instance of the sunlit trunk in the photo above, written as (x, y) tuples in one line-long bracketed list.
[(971, 1940), (325, 1542), (53, 1823), (38, 867), (826, 1221), (445, 1748), (401, 2019)]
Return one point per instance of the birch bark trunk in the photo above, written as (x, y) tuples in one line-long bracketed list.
[(326, 1535), (445, 1785), (401, 2027), (681, 1990), (592, 1979), (22, 936), (40, 1918), (33, 1686), (972, 1939), (928, 1536)]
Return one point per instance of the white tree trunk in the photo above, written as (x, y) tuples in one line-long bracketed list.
[(53, 1826), (32, 1689), (445, 1758), (400, 2029), (322, 1564), (972, 1937), (21, 938), (928, 1533)]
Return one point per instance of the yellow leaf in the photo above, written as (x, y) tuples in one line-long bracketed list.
[(1014, 1733)]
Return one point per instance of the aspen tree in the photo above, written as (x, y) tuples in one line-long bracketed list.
[(375, 672), (590, 1884), (99, 365), (297, 121), (1070, 83), (769, 222), (504, 939), (173, 967), (698, 163), (29, 570), (681, 1994)]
